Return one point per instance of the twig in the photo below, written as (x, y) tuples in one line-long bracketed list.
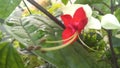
[(114, 59), (27, 7), (46, 12), (112, 6)]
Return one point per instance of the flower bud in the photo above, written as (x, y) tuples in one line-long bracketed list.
[(109, 21)]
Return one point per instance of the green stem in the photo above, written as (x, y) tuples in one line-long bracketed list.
[(86, 45), (59, 41)]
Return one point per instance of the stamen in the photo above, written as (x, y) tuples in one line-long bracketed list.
[(61, 46), (85, 44), (59, 41)]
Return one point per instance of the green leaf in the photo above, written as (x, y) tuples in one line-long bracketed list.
[(88, 1), (98, 5), (9, 57), (117, 12), (65, 1), (29, 30), (32, 61), (116, 38), (7, 6), (73, 56), (116, 41)]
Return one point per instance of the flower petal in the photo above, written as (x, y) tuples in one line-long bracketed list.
[(70, 9), (93, 23), (66, 19), (109, 21), (87, 10), (79, 15), (81, 25), (67, 33)]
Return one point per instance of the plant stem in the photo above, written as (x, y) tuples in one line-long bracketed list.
[(27, 7), (46, 12), (112, 6), (114, 59)]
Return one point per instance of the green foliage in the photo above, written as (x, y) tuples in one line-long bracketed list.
[(98, 5), (117, 12), (32, 61), (65, 1), (9, 57), (116, 42), (94, 40), (72, 56), (7, 6), (116, 39), (89, 1), (1, 35), (29, 30)]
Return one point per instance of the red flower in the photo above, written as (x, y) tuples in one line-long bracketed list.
[(73, 28), (74, 24)]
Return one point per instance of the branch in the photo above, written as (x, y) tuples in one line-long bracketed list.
[(27, 7), (114, 59)]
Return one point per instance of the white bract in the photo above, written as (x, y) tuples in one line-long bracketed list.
[(109, 21), (93, 23)]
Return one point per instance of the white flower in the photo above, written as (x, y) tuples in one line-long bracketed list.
[(93, 23), (109, 21)]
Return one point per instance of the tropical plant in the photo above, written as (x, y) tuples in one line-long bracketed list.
[(65, 34)]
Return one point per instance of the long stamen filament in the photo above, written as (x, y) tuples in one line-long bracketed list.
[(60, 40), (85, 44), (60, 46)]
